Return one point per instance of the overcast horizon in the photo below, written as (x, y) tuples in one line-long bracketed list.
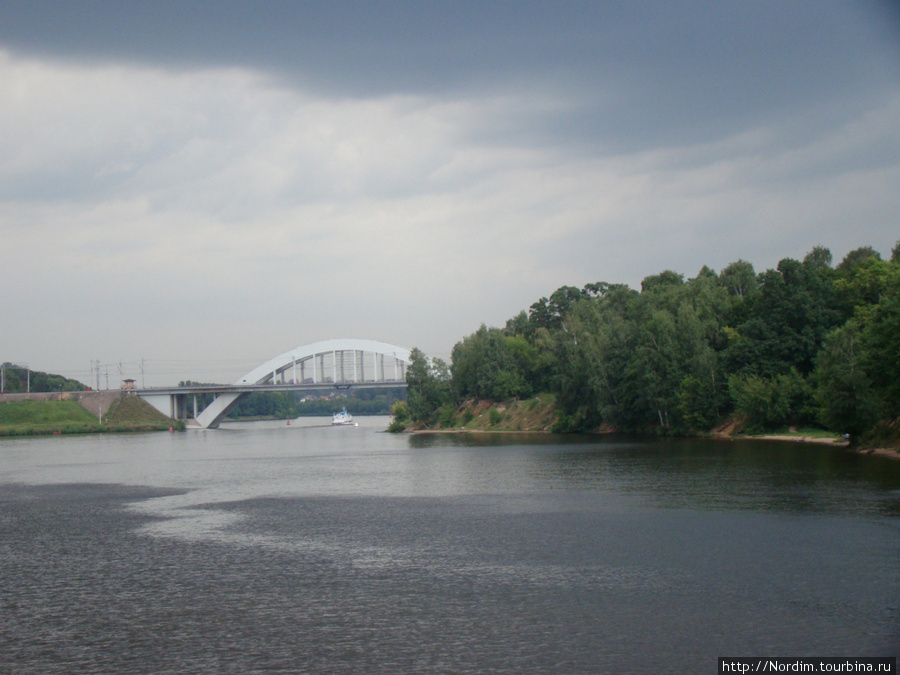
[(206, 186)]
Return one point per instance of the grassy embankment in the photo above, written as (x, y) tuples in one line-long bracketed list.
[(33, 418)]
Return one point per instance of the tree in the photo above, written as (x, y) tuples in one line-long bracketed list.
[(697, 403), (519, 325), (655, 368), (857, 257), (679, 354), (428, 385), (590, 356), (881, 345), (844, 393), (769, 403), (858, 369), (739, 279), (661, 281), (818, 258), (671, 347), (19, 379), (273, 404), (491, 366), (401, 417), (788, 318), (418, 383), (863, 282), (549, 313)]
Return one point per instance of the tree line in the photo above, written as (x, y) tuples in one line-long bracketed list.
[(20, 379), (288, 405), (806, 343)]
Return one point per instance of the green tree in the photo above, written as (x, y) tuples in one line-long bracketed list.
[(844, 393), (428, 385), (858, 369), (679, 354), (858, 257), (19, 379), (819, 258), (401, 417), (697, 403), (273, 404), (400, 411), (489, 365), (661, 281), (591, 357), (655, 368), (679, 329), (769, 403), (786, 322), (863, 282), (880, 340), (739, 279), (549, 313), (519, 325)]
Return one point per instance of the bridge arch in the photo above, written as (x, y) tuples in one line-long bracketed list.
[(314, 358), (341, 362)]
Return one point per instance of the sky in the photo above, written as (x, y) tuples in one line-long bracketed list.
[(191, 188)]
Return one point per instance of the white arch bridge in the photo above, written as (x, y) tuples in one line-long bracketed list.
[(331, 364)]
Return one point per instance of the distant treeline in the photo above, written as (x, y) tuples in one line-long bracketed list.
[(19, 379), (807, 343), (287, 405)]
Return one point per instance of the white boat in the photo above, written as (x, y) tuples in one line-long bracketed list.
[(343, 419)]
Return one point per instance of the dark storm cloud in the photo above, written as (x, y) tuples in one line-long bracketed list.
[(627, 75)]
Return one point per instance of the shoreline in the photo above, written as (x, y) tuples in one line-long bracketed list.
[(890, 453), (475, 431), (797, 439)]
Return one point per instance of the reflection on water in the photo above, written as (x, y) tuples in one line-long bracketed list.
[(303, 548), (737, 475), (693, 473)]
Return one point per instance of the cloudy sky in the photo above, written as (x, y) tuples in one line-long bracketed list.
[(204, 185)]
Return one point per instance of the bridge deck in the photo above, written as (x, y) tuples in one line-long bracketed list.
[(249, 388)]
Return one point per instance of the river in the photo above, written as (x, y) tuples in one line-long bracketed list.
[(265, 547)]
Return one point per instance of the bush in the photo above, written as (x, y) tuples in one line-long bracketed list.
[(397, 425), (400, 411), (567, 424), (446, 416)]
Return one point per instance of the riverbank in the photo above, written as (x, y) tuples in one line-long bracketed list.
[(881, 452), (538, 415), (892, 453), (877, 445), (796, 438), (61, 413)]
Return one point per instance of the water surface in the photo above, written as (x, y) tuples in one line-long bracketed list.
[(271, 548)]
